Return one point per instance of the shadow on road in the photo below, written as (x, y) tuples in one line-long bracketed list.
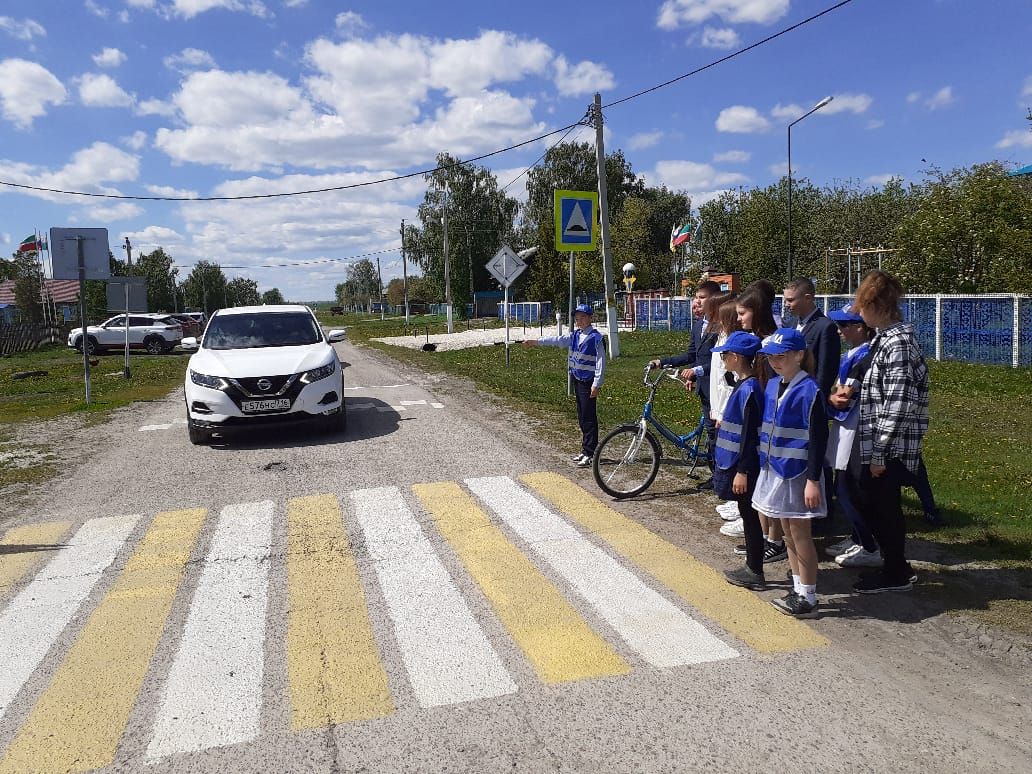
[(25, 548)]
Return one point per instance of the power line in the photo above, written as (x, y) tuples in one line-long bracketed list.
[(378, 181), (300, 263)]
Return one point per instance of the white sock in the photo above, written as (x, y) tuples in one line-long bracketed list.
[(778, 543), (808, 591), (797, 585)]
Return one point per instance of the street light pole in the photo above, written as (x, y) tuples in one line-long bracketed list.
[(447, 264), (812, 110)]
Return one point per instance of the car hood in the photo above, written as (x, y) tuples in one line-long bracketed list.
[(261, 361)]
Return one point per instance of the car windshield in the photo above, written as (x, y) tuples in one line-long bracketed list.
[(261, 329)]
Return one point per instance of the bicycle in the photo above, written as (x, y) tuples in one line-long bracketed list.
[(627, 460)]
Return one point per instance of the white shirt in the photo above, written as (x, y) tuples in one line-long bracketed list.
[(802, 323)]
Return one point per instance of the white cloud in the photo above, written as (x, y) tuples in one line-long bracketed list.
[(295, 3), (167, 190), (191, 8), (109, 57), (788, 112), (350, 22), (99, 90), (1026, 90), (135, 141), (942, 98), (780, 169), (741, 119), (107, 213), (582, 78), (674, 14), (694, 177), (155, 107), (842, 103), (875, 123), (26, 29), (723, 38), (26, 88), (879, 180), (644, 139), (97, 10), (88, 170), (733, 157), (913, 97), (467, 66), (152, 237), (189, 59), (1019, 138)]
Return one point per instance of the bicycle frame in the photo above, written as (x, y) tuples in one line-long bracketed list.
[(682, 442)]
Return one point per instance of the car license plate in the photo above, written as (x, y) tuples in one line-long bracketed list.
[(265, 405)]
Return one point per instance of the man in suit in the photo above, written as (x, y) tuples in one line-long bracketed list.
[(697, 358)]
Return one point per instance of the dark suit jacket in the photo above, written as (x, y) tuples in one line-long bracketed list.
[(688, 358), (698, 353), (823, 341)]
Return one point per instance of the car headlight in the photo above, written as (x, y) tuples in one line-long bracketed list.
[(211, 382), (318, 373)]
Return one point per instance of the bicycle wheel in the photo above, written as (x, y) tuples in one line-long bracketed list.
[(627, 461)]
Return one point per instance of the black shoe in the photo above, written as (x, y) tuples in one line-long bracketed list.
[(747, 578), (705, 485), (772, 552), (935, 518), (740, 550), (796, 606), (878, 583)]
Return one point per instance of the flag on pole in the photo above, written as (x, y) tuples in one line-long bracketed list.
[(31, 244), (679, 235)]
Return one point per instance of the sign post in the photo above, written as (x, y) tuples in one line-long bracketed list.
[(505, 266), (88, 259), (576, 230)]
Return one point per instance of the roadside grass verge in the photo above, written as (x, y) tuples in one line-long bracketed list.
[(978, 449)]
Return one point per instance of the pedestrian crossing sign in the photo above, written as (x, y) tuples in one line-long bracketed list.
[(576, 220)]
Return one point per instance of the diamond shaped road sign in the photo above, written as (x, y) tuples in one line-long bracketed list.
[(505, 266)]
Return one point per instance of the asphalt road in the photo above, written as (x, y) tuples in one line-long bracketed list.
[(434, 590)]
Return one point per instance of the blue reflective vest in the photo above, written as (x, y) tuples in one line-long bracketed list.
[(584, 349), (785, 431), (729, 436), (849, 361)]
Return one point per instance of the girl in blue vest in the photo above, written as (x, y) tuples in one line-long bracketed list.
[(736, 460), (793, 441), (587, 364), (860, 549)]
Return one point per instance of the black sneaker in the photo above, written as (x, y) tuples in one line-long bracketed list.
[(796, 606), (935, 518), (740, 550), (878, 583), (747, 578), (772, 552)]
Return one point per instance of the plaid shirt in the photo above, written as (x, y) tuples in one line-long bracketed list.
[(894, 399)]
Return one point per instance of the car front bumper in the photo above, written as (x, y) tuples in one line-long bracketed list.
[(216, 409)]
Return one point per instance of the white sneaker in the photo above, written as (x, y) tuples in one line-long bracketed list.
[(578, 459), (733, 529), (728, 511), (860, 558), (842, 547)]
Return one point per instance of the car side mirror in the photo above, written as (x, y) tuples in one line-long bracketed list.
[(189, 344), (338, 334)]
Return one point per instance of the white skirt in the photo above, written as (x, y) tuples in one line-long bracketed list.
[(782, 498)]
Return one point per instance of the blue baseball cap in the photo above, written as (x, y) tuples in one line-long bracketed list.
[(845, 315), (583, 309), (783, 340), (742, 342)]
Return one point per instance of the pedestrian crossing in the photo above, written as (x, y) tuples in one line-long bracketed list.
[(432, 594)]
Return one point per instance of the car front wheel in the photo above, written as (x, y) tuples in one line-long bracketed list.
[(155, 345), (198, 436)]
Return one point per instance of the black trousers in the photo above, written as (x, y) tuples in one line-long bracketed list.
[(755, 541), (878, 500), (587, 416)]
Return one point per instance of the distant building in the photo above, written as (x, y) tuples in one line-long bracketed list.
[(63, 293)]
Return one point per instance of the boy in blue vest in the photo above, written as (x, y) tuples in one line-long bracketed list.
[(587, 363)]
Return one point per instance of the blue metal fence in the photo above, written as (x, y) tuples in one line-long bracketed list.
[(991, 329), (528, 311)]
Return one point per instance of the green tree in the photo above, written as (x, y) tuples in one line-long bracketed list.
[(205, 287), (396, 292), (243, 292), (162, 280), (27, 274), (273, 296)]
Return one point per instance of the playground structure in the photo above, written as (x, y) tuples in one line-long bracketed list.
[(858, 261)]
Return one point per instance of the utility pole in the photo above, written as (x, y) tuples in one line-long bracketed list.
[(447, 264), (469, 257), (129, 272), (603, 206), (404, 272), (379, 285)]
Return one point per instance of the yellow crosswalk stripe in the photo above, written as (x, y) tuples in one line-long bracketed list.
[(22, 547), (559, 643), (737, 610), (78, 721), (334, 667)]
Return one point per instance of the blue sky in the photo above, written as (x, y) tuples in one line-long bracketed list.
[(228, 97)]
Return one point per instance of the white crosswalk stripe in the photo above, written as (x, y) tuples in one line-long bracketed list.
[(35, 618), (447, 656), (213, 693)]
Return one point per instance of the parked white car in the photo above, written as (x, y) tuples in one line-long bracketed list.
[(260, 365), (156, 333)]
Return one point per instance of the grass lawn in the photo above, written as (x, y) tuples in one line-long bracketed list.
[(978, 449)]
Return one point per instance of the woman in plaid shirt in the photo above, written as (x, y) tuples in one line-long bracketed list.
[(893, 422)]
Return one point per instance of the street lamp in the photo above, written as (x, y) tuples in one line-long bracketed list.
[(812, 110)]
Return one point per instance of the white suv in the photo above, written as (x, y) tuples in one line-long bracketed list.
[(156, 333), (259, 365)]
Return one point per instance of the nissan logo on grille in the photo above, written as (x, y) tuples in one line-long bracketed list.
[(264, 385)]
